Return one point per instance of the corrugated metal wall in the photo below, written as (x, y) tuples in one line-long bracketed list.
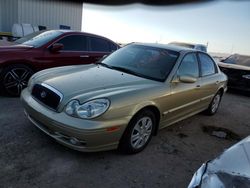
[(50, 13), (8, 14)]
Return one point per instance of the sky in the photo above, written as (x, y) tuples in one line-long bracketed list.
[(224, 25)]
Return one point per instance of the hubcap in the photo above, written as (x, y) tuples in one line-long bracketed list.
[(141, 132), (15, 80), (215, 103)]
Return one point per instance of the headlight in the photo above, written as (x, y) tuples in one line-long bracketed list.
[(87, 110)]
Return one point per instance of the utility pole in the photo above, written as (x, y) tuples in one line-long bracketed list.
[(232, 49)]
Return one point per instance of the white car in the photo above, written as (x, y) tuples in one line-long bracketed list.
[(200, 47), (230, 169)]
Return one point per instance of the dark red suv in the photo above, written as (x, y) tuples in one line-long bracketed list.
[(46, 49)]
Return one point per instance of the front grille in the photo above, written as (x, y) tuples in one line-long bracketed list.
[(47, 95)]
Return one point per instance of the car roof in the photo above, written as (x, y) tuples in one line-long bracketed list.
[(81, 32), (68, 31), (64, 31), (168, 47)]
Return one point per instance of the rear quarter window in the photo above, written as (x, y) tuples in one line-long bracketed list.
[(113, 47)]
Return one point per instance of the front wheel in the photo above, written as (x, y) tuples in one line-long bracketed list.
[(15, 78), (138, 133)]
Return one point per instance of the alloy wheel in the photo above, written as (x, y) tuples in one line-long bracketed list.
[(15, 80), (141, 132), (215, 103)]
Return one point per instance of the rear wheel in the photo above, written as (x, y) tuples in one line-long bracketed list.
[(214, 105), (138, 133), (15, 78)]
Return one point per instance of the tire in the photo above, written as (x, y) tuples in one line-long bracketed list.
[(14, 79), (214, 105), (138, 133)]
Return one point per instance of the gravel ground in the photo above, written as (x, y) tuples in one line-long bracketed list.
[(29, 158)]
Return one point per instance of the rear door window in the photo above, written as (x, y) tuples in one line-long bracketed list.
[(207, 65), (99, 45)]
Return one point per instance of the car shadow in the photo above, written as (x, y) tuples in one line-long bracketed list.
[(239, 92)]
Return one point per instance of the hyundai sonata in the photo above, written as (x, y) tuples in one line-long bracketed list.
[(123, 100)]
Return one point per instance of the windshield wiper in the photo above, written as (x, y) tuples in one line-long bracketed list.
[(104, 65), (122, 69)]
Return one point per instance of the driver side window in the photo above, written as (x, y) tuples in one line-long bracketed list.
[(189, 66), (74, 43)]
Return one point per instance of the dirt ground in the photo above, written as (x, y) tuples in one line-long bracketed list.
[(29, 158)]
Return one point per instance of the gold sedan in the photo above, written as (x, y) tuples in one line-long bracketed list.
[(123, 100)]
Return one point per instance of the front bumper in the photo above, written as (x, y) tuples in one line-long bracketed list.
[(79, 134)]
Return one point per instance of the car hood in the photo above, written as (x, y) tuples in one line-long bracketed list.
[(234, 66), (18, 47), (86, 82)]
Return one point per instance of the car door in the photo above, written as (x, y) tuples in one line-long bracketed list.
[(74, 51), (99, 47), (209, 78), (185, 97)]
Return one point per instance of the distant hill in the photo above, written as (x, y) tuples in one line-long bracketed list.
[(219, 56)]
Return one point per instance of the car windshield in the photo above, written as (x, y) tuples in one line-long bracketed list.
[(39, 38), (238, 60), (144, 61)]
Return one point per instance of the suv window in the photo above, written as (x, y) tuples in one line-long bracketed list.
[(207, 65), (74, 43), (99, 45), (189, 66)]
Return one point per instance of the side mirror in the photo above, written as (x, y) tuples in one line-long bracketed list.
[(187, 79), (56, 47)]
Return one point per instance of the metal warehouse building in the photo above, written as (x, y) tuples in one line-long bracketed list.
[(53, 14)]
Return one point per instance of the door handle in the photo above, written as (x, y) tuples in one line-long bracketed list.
[(84, 56)]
